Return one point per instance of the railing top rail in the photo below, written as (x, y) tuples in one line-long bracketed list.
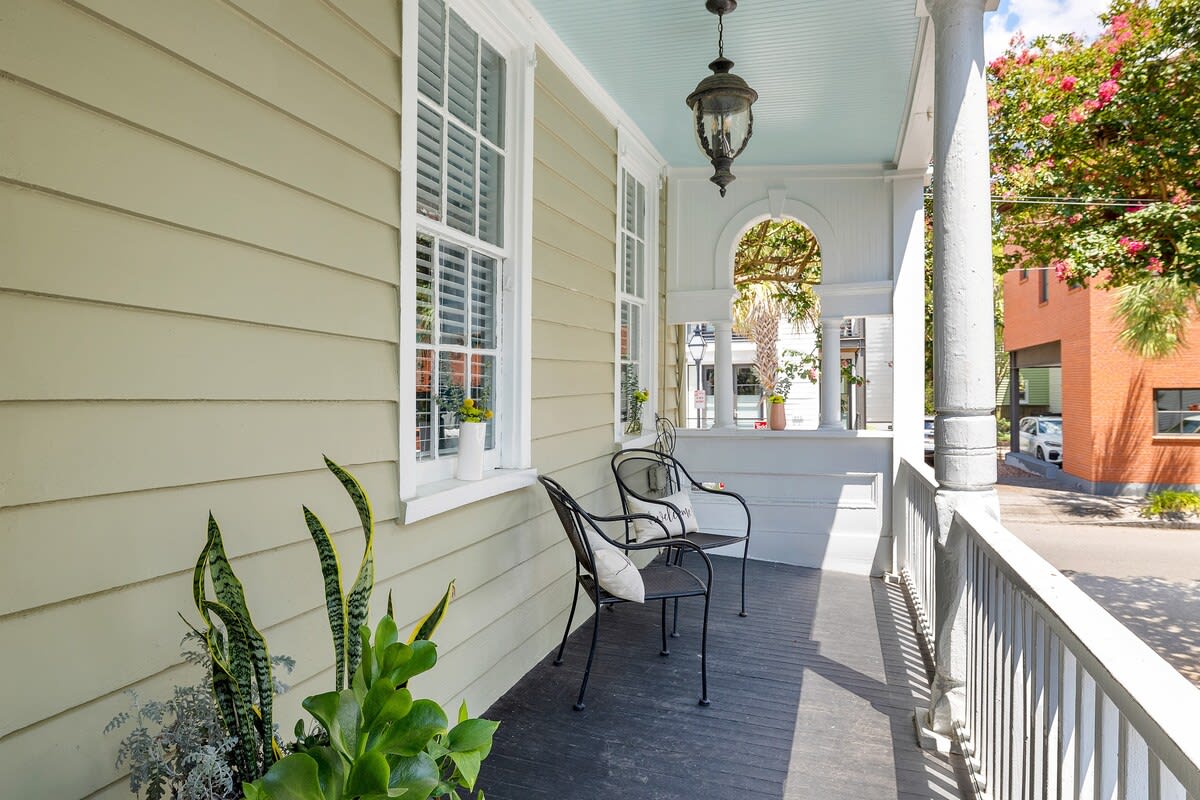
[(1158, 702), (922, 472)]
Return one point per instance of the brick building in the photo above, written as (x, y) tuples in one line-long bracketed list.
[(1129, 423)]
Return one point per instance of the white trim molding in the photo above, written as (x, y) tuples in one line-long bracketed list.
[(869, 299)]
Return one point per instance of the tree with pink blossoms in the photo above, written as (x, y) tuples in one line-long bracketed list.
[(1096, 162)]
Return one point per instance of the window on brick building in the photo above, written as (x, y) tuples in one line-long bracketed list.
[(1177, 411), (1043, 285)]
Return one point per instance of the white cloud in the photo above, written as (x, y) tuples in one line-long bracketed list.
[(1037, 17)]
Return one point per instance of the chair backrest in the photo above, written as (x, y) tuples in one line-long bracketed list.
[(646, 474), (574, 521), (664, 441)]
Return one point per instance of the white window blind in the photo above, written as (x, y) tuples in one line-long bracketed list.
[(633, 291), (460, 126)]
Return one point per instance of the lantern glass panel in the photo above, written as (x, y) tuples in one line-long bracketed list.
[(726, 131)]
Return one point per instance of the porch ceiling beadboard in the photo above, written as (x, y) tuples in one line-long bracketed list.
[(832, 77)]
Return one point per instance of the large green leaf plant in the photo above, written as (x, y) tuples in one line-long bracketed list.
[(373, 739), (382, 742)]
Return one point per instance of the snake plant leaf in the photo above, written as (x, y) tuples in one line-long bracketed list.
[(235, 712), (358, 600), (408, 735), (428, 624), (202, 568), (232, 595), (335, 603), (418, 774)]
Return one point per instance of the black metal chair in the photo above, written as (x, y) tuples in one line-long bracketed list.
[(664, 580), (664, 440), (651, 475)]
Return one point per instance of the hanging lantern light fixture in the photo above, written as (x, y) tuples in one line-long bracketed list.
[(722, 119)]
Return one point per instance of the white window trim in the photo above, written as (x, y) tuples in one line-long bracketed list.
[(510, 34), (636, 159)]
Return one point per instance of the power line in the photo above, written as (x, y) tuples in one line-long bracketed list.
[(1112, 202)]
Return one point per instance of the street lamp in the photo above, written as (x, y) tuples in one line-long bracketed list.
[(696, 347)]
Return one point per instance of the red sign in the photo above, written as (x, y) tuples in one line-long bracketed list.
[(759, 424)]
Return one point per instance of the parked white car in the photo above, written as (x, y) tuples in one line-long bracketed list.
[(1041, 437)]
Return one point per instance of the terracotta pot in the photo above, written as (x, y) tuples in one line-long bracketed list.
[(778, 419)]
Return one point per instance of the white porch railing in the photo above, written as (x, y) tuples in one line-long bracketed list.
[(1062, 701), (914, 543)]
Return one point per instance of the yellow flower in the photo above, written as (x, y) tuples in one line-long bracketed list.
[(487, 414), (469, 403)]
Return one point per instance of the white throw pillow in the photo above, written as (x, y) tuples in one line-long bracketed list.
[(645, 530), (618, 576)]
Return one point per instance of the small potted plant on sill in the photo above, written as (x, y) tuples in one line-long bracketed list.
[(777, 418), (473, 416), (633, 424)]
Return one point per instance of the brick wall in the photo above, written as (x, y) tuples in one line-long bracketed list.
[(1108, 394)]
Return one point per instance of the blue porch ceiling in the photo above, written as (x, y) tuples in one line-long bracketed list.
[(832, 75)]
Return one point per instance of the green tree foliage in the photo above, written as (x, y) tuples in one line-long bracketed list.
[(775, 267), (1096, 159)]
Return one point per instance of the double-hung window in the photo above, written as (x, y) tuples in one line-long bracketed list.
[(1177, 411), (466, 291), (637, 298)]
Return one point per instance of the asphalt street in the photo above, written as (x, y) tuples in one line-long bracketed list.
[(1147, 577)]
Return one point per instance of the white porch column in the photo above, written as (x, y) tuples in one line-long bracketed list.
[(831, 373), (964, 341), (723, 375)]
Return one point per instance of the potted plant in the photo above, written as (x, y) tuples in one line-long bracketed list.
[(777, 418), (637, 398), (473, 416)]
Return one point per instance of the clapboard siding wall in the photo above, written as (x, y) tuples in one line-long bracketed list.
[(199, 216)]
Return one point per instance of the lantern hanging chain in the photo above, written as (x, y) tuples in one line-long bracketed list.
[(720, 35)]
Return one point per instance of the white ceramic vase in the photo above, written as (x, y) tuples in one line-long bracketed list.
[(470, 451)]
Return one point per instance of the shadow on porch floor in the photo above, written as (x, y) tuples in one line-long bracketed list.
[(812, 697)]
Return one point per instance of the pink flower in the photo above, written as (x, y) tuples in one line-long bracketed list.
[(1074, 219), (1068, 83), (1026, 57), (1155, 266), (1077, 115), (1134, 209), (1062, 268), (1132, 246), (1023, 106), (999, 66), (993, 106), (1092, 105), (1115, 72), (1048, 120), (1108, 90)]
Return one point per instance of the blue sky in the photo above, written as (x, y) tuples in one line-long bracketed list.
[(1035, 17)]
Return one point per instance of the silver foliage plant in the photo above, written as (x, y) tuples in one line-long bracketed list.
[(177, 749)]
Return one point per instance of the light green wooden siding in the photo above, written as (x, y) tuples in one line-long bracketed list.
[(670, 346), (199, 288), (199, 215), (574, 280), (1037, 385)]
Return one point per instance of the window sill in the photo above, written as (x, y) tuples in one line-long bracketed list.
[(436, 498), (641, 440)]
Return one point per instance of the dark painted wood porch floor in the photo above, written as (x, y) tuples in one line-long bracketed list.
[(812, 697)]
